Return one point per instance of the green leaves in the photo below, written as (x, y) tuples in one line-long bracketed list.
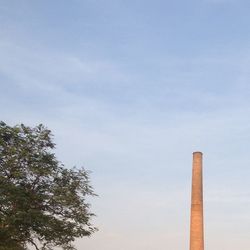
[(41, 202)]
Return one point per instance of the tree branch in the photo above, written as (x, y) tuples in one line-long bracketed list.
[(34, 244)]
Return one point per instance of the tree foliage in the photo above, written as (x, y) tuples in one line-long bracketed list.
[(42, 203)]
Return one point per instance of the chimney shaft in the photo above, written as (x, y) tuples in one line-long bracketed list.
[(196, 224)]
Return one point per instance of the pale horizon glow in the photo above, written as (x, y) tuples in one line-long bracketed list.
[(130, 89)]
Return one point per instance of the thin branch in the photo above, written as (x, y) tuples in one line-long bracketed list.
[(34, 244)]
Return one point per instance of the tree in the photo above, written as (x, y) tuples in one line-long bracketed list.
[(42, 203)]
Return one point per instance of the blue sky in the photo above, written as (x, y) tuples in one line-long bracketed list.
[(130, 89)]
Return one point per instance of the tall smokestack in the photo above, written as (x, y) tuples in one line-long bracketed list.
[(196, 224)]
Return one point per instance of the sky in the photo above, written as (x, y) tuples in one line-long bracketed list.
[(130, 89)]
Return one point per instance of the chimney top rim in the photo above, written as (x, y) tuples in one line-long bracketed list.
[(197, 152)]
